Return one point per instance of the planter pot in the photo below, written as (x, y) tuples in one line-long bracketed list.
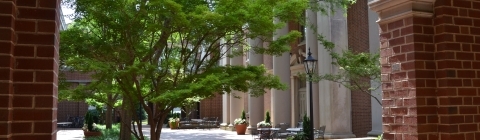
[(241, 128), (173, 125), (89, 134)]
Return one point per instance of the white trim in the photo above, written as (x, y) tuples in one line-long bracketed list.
[(404, 15), (392, 10)]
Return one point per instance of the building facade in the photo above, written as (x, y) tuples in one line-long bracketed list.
[(345, 113), (68, 109)]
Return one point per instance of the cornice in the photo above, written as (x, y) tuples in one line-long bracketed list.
[(391, 10)]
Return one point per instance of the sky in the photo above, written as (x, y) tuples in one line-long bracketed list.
[(67, 11)]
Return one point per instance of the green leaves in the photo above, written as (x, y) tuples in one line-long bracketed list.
[(356, 69), (167, 51)]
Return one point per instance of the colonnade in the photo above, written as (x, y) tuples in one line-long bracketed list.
[(332, 102)]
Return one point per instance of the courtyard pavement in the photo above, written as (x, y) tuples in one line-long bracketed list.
[(178, 134), (168, 134)]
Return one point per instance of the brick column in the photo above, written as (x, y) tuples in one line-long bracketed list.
[(430, 68), (7, 32), (457, 39), (29, 66), (408, 68)]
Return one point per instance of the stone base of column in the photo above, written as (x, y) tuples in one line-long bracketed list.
[(249, 129), (338, 136), (224, 126), (374, 133)]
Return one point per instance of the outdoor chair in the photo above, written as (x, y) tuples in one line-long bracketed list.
[(282, 133), (320, 132), (213, 122), (299, 124), (254, 133)]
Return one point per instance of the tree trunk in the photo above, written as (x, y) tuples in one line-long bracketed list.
[(108, 117), (126, 119), (153, 127), (156, 127), (108, 114), (151, 107)]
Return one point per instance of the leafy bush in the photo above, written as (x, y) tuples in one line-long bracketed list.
[(306, 126), (110, 134), (90, 125), (380, 137), (305, 130), (95, 115)]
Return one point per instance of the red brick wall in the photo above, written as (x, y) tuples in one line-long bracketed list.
[(28, 69), (212, 107), (430, 74), (75, 75), (457, 42), (70, 109), (408, 77), (358, 42)]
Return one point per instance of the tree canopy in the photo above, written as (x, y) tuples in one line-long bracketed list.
[(167, 51)]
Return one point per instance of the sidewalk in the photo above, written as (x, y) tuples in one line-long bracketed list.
[(178, 134), (168, 134)]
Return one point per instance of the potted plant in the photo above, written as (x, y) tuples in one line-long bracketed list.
[(173, 122), (265, 123), (241, 124), (90, 129), (305, 130)]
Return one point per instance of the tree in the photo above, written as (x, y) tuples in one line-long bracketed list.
[(356, 69), (166, 51), (106, 93)]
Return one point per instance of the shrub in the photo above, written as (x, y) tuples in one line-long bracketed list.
[(110, 134), (267, 117)]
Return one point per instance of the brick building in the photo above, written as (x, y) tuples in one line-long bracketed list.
[(68, 109)]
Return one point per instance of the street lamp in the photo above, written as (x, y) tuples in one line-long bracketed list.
[(310, 67)]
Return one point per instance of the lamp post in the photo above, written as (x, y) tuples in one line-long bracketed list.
[(310, 64)]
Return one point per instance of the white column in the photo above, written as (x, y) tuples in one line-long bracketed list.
[(335, 100), (293, 102), (236, 104), (225, 110), (374, 40), (225, 97), (281, 99), (311, 42), (255, 104), (324, 67)]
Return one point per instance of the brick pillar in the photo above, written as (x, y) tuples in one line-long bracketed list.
[(7, 25), (408, 68), (28, 69), (359, 42), (457, 39), (430, 68)]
